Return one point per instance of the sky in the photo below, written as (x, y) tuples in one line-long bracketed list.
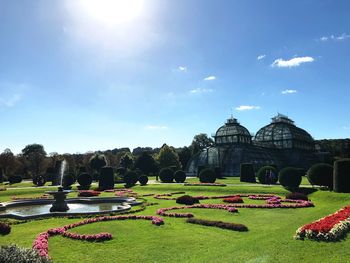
[(86, 75)]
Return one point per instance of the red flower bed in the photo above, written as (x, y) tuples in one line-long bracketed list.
[(234, 199), (330, 228), (88, 193)]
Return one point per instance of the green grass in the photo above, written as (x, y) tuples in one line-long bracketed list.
[(269, 239)]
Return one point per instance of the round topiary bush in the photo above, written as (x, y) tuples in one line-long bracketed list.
[(166, 175), (267, 175), (39, 180), (130, 178), (180, 176), (207, 176), (187, 200), (321, 174), (68, 180), (289, 177), (84, 180), (14, 254), (143, 179), (15, 179), (5, 228)]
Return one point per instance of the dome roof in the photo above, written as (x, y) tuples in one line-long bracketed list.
[(232, 132), (282, 133)]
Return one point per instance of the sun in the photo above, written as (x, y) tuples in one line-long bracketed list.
[(112, 12)]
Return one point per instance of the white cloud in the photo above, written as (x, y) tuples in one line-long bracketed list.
[(294, 62), (247, 107), (182, 68), (210, 78), (335, 38), (200, 90), (289, 91), (260, 57), (156, 127), (342, 37)]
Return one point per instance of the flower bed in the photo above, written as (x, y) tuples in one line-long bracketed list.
[(204, 184), (234, 199), (44, 196), (330, 228), (88, 193), (220, 224), (41, 242)]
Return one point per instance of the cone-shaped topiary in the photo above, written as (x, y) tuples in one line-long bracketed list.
[(341, 179), (267, 175), (321, 174), (247, 173), (166, 175), (207, 175), (180, 176), (106, 178), (289, 177)]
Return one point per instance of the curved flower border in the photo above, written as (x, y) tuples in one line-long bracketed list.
[(41, 242), (329, 228)]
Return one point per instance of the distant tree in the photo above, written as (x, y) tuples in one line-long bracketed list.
[(200, 142), (185, 155), (8, 162), (36, 158), (146, 163), (97, 161), (167, 157), (126, 161)]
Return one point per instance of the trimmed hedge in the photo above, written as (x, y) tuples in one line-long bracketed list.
[(15, 179), (207, 176), (180, 176), (39, 180), (166, 175), (297, 196), (341, 178), (143, 179), (5, 228), (187, 200), (289, 177), (267, 175), (247, 173), (321, 174), (14, 254), (84, 180), (106, 179), (130, 178)]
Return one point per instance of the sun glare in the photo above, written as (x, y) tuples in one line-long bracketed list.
[(112, 12)]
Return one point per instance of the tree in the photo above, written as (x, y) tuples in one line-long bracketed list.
[(168, 157), (35, 156), (126, 161), (146, 163), (8, 162), (200, 142), (97, 161), (185, 155)]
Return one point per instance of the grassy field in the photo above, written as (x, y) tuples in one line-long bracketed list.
[(269, 239)]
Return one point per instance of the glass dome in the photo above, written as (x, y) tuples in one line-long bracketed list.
[(282, 133), (232, 132)]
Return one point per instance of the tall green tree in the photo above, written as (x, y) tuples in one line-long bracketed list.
[(146, 163), (126, 161), (8, 162), (97, 161), (35, 156), (200, 142), (185, 155), (168, 157)]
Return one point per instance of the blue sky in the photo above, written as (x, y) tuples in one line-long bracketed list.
[(94, 75)]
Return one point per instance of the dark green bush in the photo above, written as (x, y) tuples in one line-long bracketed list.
[(68, 180), (267, 175), (166, 175), (1, 176), (219, 224), (15, 179), (121, 170), (106, 180), (39, 180), (130, 178), (247, 173), (5, 228), (180, 176), (207, 176), (297, 196), (199, 169), (14, 254), (187, 200), (341, 179), (143, 179), (84, 180), (218, 172), (321, 174), (289, 177)]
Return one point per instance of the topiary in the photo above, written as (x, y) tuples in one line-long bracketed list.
[(15, 179), (207, 176), (289, 177), (199, 169), (341, 179), (130, 178), (247, 173), (166, 175), (218, 173), (5, 228), (267, 175), (39, 180), (143, 179), (84, 180), (187, 200), (121, 170), (321, 174), (14, 254), (180, 176), (106, 180), (1, 176), (68, 180)]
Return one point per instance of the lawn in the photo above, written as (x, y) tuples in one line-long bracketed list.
[(269, 239)]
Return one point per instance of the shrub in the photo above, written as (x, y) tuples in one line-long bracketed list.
[(68, 180), (199, 169), (220, 224), (187, 200), (321, 174), (217, 170), (341, 179), (247, 173), (1, 176), (39, 180), (15, 179), (267, 175), (121, 170), (301, 171), (166, 175), (106, 180), (88, 193), (5, 228), (297, 196), (180, 176), (235, 199), (289, 177), (207, 176), (130, 178), (143, 179), (84, 180), (14, 254)]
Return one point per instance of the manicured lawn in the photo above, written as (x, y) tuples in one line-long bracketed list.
[(269, 239)]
